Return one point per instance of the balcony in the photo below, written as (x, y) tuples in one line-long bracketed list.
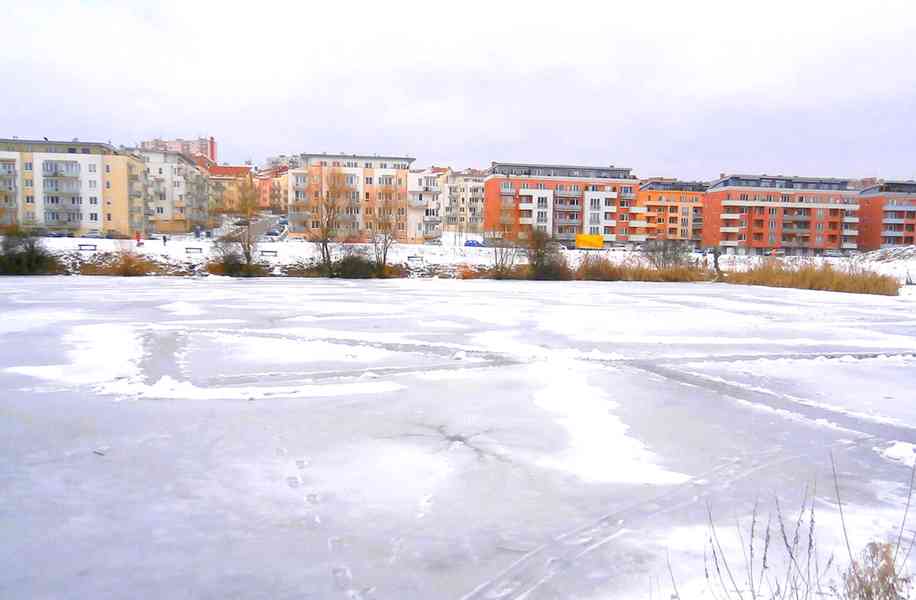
[(849, 246), (639, 209), (627, 195), (60, 173), (798, 230), (850, 219), (432, 219), (729, 229), (851, 232), (796, 218), (888, 233), (610, 237), (567, 193), (638, 237), (893, 221), (638, 223), (895, 207), (729, 243), (609, 223), (726, 216)]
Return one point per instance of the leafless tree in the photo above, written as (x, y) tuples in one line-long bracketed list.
[(664, 254), (382, 224), (324, 208)]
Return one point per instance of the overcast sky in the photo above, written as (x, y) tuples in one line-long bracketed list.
[(685, 89)]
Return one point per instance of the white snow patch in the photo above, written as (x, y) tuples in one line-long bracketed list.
[(169, 388), (183, 309), (96, 353), (252, 348), (600, 449), (902, 452)]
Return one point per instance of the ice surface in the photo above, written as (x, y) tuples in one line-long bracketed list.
[(425, 439)]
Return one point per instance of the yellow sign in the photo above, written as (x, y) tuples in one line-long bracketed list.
[(591, 241)]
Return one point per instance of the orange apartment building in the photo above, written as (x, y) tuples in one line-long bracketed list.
[(669, 209), (563, 200), (273, 185), (372, 183), (888, 215), (772, 214)]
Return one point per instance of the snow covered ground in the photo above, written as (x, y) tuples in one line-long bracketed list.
[(899, 262), (416, 439)]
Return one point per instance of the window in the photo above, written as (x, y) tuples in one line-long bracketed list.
[(92, 168), (542, 201), (368, 181), (542, 216), (28, 166), (108, 185), (30, 199), (772, 225), (819, 239), (93, 184), (160, 170), (595, 202), (160, 210), (594, 230), (28, 183), (93, 216)]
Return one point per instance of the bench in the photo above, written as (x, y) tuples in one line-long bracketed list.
[(268, 252), (87, 247), (193, 250)]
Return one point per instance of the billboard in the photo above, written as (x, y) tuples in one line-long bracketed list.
[(589, 241)]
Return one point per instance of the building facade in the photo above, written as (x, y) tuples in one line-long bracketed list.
[(561, 200), (463, 203), (424, 202), (888, 215), (362, 189), (179, 192), (273, 189), (669, 209), (203, 146), (766, 214), (79, 187)]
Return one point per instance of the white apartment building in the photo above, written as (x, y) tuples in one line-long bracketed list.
[(463, 202), (82, 187), (424, 188), (178, 189)]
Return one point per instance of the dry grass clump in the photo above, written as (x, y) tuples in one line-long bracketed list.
[(782, 559), (824, 276), (599, 268), (119, 264)]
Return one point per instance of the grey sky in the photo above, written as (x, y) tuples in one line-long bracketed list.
[(685, 89)]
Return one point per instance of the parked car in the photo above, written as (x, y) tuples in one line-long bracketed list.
[(274, 232), (93, 235), (834, 253), (284, 221), (473, 244), (435, 242)]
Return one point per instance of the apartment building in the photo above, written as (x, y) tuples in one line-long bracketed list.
[(202, 146), (363, 189), (226, 182), (562, 200), (179, 192), (463, 202), (669, 209), (887, 215), (768, 214), (425, 206), (273, 188), (80, 187)]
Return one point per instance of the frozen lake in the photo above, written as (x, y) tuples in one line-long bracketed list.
[(418, 439)]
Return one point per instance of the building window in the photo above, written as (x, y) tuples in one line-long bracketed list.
[(108, 168), (160, 210), (108, 216), (92, 168), (28, 166), (93, 216), (93, 184), (108, 185), (30, 199)]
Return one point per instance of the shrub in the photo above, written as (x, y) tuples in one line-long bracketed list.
[(22, 253), (599, 268), (121, 264), (354, 266), (808, 276)]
